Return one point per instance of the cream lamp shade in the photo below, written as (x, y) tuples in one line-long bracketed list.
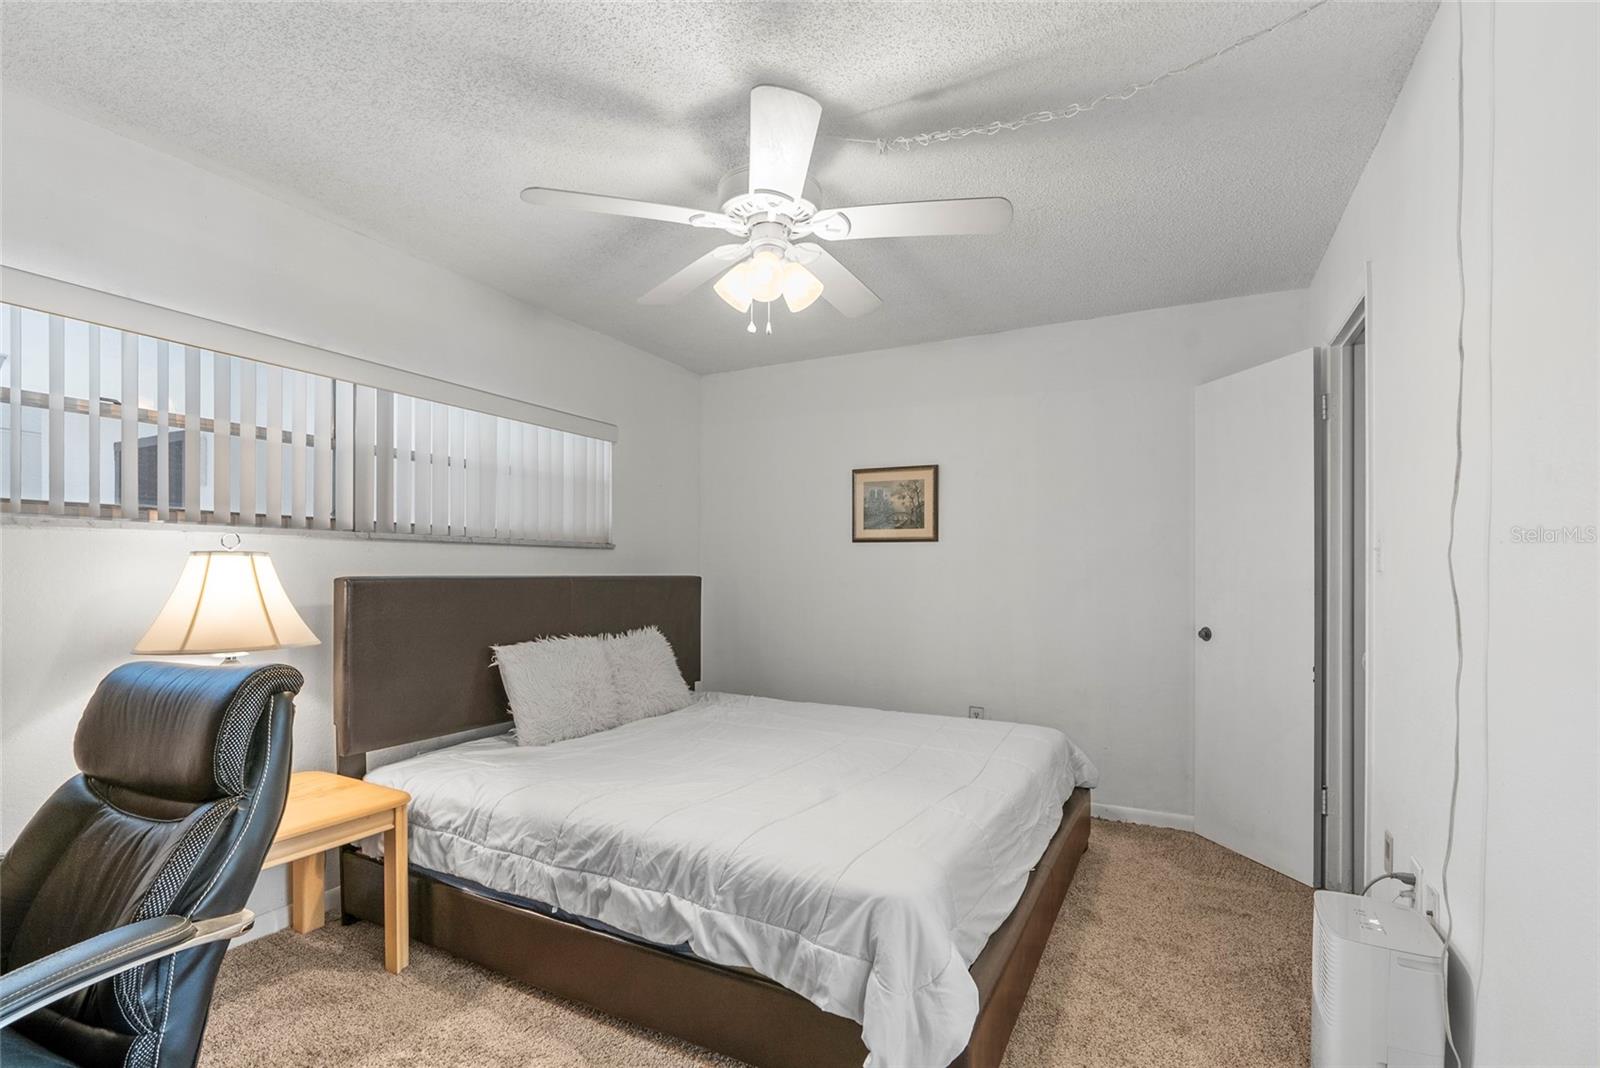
[(226, 602)]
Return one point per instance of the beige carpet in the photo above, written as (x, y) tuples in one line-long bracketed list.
[(1171, 951)]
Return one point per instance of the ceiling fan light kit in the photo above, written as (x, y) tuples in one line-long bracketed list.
[(770, 206)]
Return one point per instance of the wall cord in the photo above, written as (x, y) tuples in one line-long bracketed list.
[(1409, 878), (1455, 498), (1488, 539), (906, 143)]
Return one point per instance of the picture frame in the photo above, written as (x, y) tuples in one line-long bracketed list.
[(894, 504)]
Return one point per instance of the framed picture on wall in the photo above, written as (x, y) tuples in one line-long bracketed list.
[(895, 503)]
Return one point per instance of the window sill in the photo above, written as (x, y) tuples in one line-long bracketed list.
[(34, 519)]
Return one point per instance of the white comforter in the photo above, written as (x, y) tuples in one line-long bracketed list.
[(860, 858)]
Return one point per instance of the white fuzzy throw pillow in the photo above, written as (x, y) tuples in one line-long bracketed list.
[(645, 675), (559, 688)]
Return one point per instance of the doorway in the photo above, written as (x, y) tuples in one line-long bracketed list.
[(1342, 559)]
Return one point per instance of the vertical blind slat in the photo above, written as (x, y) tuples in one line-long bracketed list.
[(94, 419), (607, 448), (580, 488), (541, 489), (458, 477), (322, 513), (129, 497), (488, 491), (472, 507), (248, 411), (344, 451), (557, 468), (497, 473), (14, 360), (525, 453), (597, 497), (221, 437), (383, 458), (525, 493), (356, 459), (439, 507), (297, 450), (505, 489), (544, 468), (569, 489), (422, 469), (191, 434), (403, 484), (163, 430), (595, 500), (551, 470), (592, 482), (57, 427), (273, 505)]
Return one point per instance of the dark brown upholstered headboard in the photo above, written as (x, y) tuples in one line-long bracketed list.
[(411, 655)]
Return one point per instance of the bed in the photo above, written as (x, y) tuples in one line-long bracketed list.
[(789, 884)]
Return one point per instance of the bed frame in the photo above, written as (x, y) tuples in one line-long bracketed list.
[(411, 664)]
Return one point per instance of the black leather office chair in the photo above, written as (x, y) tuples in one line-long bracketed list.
[(117, 900)]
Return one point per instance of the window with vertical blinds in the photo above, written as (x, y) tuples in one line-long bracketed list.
[(108, 424)]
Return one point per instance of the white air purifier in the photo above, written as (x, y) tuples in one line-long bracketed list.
[(1377, 985)]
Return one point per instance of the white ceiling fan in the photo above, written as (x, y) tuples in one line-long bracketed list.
[(771, 205)]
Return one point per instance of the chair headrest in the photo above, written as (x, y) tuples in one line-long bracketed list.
[(177, 731)]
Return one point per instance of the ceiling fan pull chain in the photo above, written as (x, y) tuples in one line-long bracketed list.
[(752, 327), (769, 317)]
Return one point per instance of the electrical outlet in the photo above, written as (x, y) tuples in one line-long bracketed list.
[(1430, 905), (974, 711), (1421, 889), (1388, 853)]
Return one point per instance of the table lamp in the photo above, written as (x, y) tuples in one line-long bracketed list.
[(226, 603)]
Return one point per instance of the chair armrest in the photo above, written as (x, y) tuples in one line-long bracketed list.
[(66, 971)]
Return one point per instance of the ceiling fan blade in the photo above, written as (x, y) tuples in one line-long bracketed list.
[(839, 287), (783, 129), (695, 275), (633, 209), (918, 218)]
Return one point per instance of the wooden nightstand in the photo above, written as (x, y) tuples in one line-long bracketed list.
[(326, 811)]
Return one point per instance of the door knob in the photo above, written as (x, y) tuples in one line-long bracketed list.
[(1205, 634)]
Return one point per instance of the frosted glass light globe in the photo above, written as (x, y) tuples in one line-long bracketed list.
[(734, 287), (766, 275), (801, 288)]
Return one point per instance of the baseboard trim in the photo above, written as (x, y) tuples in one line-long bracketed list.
[(1149, 817), (278, 919)]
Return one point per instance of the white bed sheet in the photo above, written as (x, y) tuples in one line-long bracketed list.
[(860, 858)]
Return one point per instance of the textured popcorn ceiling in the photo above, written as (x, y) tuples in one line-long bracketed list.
[(419, 123)]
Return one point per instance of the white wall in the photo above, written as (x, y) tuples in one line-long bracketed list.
[(91, 207), (1533, 939), (1059, 591)]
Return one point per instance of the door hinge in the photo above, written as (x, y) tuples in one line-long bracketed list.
[(1324, 800), (1313, 673), (1324, 405)]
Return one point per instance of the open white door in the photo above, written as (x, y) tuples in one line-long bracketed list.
[(1255, 613)]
